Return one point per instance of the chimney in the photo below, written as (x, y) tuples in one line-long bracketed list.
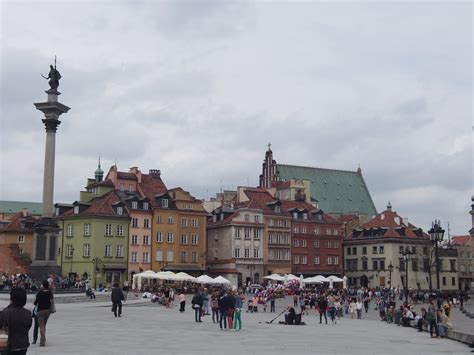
[(24, 212), (155, 173), (405, 221)]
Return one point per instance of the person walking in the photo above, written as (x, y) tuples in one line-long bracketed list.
[(366, 304), (117, 297), (230, 310), (43, 300), (359, 306), (223, 308), (34, 315), (17, 320), (205, 298), (237, 311), (322, 307), (182, 302), (272, 302), (215, 307), (431, 314), (197, 303)]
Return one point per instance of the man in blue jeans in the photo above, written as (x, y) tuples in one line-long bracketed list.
[(223, 307), (197, 303)]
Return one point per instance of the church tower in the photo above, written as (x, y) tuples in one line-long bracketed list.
[(269, 172)]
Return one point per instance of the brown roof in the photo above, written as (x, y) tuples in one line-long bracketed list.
[(101, 205), (126, 176), (260, 198), (107, 183), (152, 186), (15, 223), (460, 239), (10, 263), (388, 220)]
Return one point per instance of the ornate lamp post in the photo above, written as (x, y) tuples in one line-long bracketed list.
[(436, 235), (406, 256), (390, 270)]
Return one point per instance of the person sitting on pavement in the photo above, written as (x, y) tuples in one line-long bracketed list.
[(444, 323), (420, 319), (407, 317)]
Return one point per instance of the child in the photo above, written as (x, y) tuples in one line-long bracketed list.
[(250, 306)]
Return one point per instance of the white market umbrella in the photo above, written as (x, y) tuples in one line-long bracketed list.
[(312, 280), (204, 279), (291, 277), (335, 278), (166, 275), (275, 277), (137, 278), (219, 280), (182, 276)]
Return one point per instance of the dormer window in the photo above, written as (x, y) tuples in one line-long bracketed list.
[(295, 215), (277, 209), (164, 203), (145, 205), (320, 217), (305, 215), (120, 210), (214, 218), (76, 209), (134, 205)]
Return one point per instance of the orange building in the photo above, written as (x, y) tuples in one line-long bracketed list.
[(18, 232)]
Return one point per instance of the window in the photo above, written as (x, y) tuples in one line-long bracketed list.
[(348, 251), (159, 237), (86, 250), (335, 244), (159, 255), (237, 233), (328, 231), (70, 230), (401, 265), (381, 249), (247, 218), (159, 219), (76, 209), (316, 230), (413, 250), (21, 238), (305, 216), (146, 223), (277, 209), (194, 222), (183, 257), (184, 239), (364, 250), (295, 215), (146, 240), (108, 230), (316, 259), (444, 281), (401, 250), (374, 250), (170, 220), (336, 260), (256, 233), (354, 251), (256, 253), (146, 257), (170, 237), (246, 253), (453, 281), (296, 229), (304, 259), (194, 257), (328, 244), (303, 229), (194, 239), (296, 259), (425, 251), (69, 250), (164, 203), (184, 222), (134, 222), (247, 233), (365, 265), (120, 210), (170, 255), (134, 239), (236, 252), (120, 230), (375, 265), (119, 251), (108, 250), (296, 243), (134, 205), (453, 265), (134, 257), (316, 243), (328, 260), (335, 231), (303, 243), (130, 187), (145, 206), (256, 219), (87, 229), (270, 222)]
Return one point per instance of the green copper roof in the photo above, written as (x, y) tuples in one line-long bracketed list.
[(16, 206), (337, 191)]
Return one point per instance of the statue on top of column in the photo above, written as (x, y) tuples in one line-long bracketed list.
[(53, 76)]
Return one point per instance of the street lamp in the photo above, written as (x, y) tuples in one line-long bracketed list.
[(390, 270), (96, 261), (72, 260), (406, 256), (436, 235)]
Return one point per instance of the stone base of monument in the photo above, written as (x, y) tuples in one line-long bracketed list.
[(45, 249)]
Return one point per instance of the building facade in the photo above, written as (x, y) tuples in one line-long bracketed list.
[(18, 232)]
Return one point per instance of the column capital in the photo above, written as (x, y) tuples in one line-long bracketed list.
[(51, 124)]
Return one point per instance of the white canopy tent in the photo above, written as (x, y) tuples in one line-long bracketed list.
[(182, 276), (333, 279), (137, 278), (166, 275), (275, 277), (204, 279), (219, 280), (312, 280)]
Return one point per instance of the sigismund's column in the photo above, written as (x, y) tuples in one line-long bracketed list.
[(47, 230)]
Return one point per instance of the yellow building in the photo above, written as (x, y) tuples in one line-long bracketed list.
[(18, 232), (179, 233)]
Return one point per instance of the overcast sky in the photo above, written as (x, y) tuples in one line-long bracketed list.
[(198, 89)]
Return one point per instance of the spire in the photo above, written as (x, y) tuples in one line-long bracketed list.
[(269, 146), (99, 174), (389, 206)]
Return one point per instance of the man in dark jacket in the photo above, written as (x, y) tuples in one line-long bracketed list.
[(117, 298), (223, 307), (322, 306), (18, 322), (197, 303)]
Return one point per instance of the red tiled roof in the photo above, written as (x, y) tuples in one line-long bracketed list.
[(126, 176), (14, 224), (99, 206), (9, 262), (460, 239), (387, 220), (152, 186), (107, 183), (259, 198), (346, 217)]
